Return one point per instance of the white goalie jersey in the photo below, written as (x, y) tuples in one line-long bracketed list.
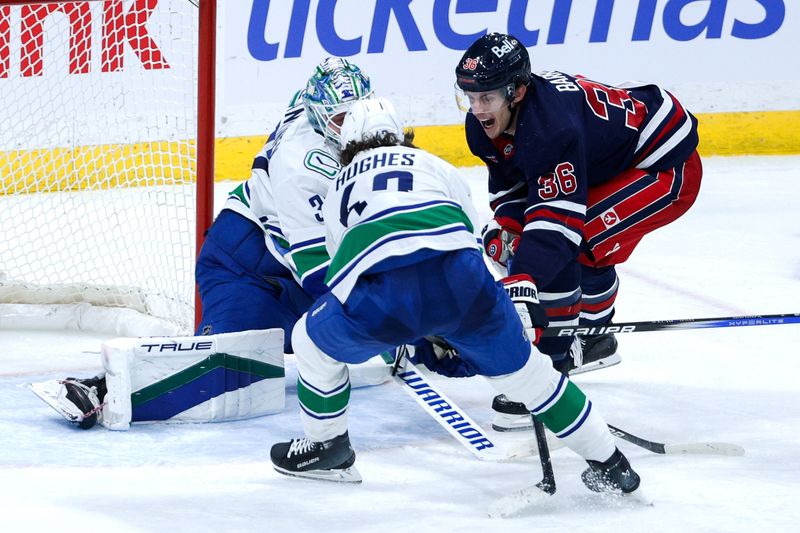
[(290, 177), (390, 202)]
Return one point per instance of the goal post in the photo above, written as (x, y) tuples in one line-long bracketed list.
[(106, 156)]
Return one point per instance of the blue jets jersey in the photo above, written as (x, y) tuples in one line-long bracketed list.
[(573, 133)]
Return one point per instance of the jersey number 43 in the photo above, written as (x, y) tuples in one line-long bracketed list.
[(380, 182)]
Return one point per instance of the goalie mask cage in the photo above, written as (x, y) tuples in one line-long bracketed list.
[(106, 158)]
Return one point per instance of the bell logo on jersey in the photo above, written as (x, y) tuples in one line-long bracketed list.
[(507, 46)]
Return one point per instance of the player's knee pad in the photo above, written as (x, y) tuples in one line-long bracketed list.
[(315, 366), (228, 376)]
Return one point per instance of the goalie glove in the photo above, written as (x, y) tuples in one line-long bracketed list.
[(522, 291), (500, 239)]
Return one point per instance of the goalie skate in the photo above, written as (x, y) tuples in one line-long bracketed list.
[(79, 401)]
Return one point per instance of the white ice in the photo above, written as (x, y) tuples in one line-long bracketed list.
[(736, 252)]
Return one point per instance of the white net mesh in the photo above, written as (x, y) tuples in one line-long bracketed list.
[(97, 155)]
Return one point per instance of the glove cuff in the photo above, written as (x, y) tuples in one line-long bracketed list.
[(517, 278), (509, 223)]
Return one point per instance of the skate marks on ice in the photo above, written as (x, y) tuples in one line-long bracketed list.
[(534, 501)]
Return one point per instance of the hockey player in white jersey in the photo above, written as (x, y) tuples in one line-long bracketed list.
[(264, 260), (405, 266)]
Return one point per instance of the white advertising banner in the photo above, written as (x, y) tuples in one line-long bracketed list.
[(717, 55)]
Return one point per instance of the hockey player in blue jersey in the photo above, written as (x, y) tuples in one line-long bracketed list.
[(579, 172), (405, 266)]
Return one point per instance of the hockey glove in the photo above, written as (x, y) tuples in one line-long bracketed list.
[(500, 239), (522, 291), (438, 356)]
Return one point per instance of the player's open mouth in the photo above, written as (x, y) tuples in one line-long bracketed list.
[(488, 123)]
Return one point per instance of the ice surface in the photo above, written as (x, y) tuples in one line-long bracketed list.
[(737, 251)]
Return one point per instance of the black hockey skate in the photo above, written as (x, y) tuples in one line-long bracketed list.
[(510, 416), (78, 400), (88, 396), (596, 352), (331, 460), (614, 475)]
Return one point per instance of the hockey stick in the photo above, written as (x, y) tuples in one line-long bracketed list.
[(548, 482), (667, 325), (692, 448), (442, 409), (705, 448), (529, 496), (453, 419)]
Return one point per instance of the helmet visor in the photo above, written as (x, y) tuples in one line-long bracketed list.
[(481, 102)]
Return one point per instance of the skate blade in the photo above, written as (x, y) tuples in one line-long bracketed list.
[(611, 360), (50, 392), (345, 475), (503, 422)]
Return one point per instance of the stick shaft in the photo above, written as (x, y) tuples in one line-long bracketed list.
[(655, 447), (666, 325), (548, 482)]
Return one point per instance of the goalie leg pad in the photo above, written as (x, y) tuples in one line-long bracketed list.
[(212, 378)]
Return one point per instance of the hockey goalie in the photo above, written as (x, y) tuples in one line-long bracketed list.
[(209, 378), (229, 376)]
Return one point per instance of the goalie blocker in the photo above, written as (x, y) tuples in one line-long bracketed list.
[(229, 376)]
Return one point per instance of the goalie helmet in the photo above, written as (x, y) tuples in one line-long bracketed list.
[(368, 118), (494, 61), (331, 90)]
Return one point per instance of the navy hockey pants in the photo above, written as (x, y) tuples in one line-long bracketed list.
[(242, 286), (451, 295), (619, 214)]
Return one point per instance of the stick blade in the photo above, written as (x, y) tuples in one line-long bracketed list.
[(518, 501), (704, 448)]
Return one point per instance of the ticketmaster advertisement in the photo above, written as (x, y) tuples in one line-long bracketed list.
[(122, 71), (717, 55)]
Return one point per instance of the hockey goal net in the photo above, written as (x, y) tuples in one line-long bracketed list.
[(98, 155)]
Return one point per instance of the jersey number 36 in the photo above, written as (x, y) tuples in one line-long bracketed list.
[(562, 181)]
